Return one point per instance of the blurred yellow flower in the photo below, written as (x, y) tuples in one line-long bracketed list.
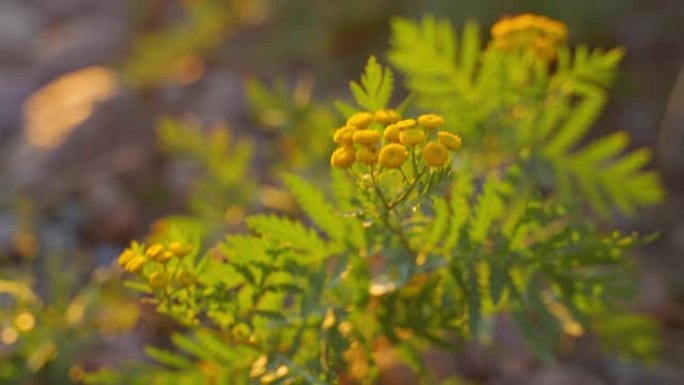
[(393, 155), (435, 154)]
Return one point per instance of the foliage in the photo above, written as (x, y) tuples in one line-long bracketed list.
[(177, 54), (510, 105), (416, 242), (290, 115), (44, 336), (221, 193)]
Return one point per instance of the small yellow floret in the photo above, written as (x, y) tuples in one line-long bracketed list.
[(135, 265), (393, 155), (126, 256), (387, 116), (412, 137), (165, 257), (366, 137), (435, 154), (405, 124), (343, 157), (361, 119), (449, 140), (539, 34), (430, 121), (392, 134), (180, 249), (367, 155), (344, 135), (159, 280), (154, 251)]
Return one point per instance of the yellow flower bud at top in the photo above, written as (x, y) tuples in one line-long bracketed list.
[(180, 249), (536, 33), (126, 256), (405, 124), (393, 155), (159, 280), (367, 155), (154, 251), (392, 134), (387, 116), (344, 135), (430, 121), (361, 119), (343, 157), (435, 154), (412, 137), (185, 278), (449, 140), (165, 257), (135, 265), (366, 137)]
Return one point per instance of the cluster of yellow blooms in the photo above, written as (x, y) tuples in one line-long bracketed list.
[(158, 255), (537, 33), (360, 138)]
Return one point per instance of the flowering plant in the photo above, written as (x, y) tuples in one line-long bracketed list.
[(466, 200)]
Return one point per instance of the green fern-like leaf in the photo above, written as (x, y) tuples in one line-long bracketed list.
[(323, 214), (488, 208), (166, 357), (314, 204), (288, 232), (375, 89), (439, 224)]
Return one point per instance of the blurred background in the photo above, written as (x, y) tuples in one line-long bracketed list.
[(86, 165)]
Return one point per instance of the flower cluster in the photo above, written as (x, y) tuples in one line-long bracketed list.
[(536, 33), (152, 263), (387, 140)]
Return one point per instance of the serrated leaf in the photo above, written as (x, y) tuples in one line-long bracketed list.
[(488, 208), (288, 232), (166, 357), (376, 86), (474, 302), (314, 204), (439, 222)]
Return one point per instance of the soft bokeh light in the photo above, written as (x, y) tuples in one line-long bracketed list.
[(54, 110)]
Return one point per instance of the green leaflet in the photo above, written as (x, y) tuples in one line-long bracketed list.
[(288, 232), (376, 86)]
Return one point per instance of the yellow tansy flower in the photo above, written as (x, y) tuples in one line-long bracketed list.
[(392, 134), (361, 119), (344, 135), (435, 154), (366, 137), (449, 140), (536, 33), (135, 265), (126, 256), (405, 124), (180, 249), (412, 137), (430, 121), (343, 157), (387, 116), (367, 155), (165, 257), (154, 251), (393, 155)]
